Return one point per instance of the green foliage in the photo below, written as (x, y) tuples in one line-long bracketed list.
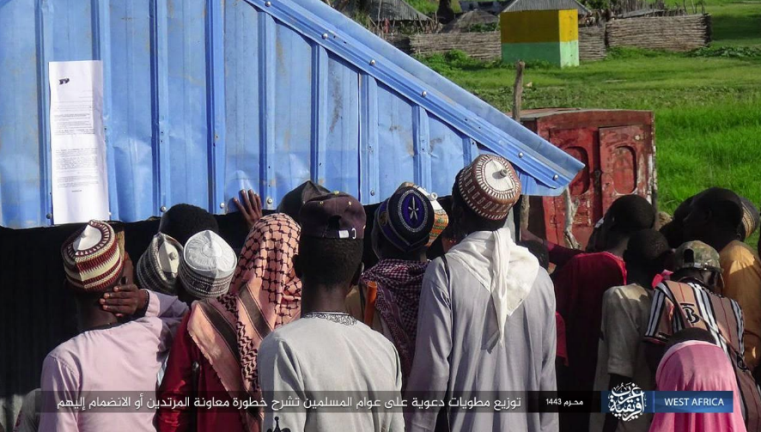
[(483, 28), (624, 53), (362, 18), (707, 103), (731, 52), (425, 6), (736, 24), (456, 6), (429, 7), (707, 109), (456, 61), (596, 4)]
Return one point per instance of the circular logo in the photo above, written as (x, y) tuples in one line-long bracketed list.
[(626, 401), (413, 211)]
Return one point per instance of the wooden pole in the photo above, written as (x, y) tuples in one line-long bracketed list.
[(517, 99), (518, 90), (570, 215)]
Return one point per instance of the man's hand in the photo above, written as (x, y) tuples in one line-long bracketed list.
[(125, 300), (251, 207)]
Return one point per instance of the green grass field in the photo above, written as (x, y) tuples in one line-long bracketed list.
[(707, 107), (736, 24)]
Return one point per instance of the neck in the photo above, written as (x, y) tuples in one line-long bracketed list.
[(618, 248), (640, 277), (719, 238), (92, 316), (323, 298)]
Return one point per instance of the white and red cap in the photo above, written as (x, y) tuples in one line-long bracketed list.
[(92, 259)]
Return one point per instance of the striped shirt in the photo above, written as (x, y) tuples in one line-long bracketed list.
[(677, 306)]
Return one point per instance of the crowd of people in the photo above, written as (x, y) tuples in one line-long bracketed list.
[(296, 314)]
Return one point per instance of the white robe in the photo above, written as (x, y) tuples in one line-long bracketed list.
[(454, 353)]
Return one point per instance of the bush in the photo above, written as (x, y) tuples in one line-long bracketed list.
[(624, 53), (731, 52), (483, 28), (459, 60)]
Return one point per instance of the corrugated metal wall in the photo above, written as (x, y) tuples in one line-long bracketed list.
[(203, 98)]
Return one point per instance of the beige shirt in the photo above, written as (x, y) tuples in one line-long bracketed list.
[(741, 270), (625, 315)]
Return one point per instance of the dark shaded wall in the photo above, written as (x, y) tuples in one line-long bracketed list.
[(38, 314)]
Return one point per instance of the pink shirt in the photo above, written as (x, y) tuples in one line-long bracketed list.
[(125, 358)]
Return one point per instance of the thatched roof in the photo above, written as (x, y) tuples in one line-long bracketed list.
[(469, 19), (381, 10), (524, 5), (493, 7)]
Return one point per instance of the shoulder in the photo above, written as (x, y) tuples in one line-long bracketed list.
[(542, 293), (65, 356), (70, 351), (543, 281), (437, 267), (287, 332), (677, 291), (737, 252), (624, 292), (583, 262), (375, 336), (436, 274), (278, 341), (595, 257)]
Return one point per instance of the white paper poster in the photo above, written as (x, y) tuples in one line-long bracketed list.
[(80, 181)]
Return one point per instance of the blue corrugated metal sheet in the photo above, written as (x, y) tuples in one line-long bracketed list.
[(203, 98)]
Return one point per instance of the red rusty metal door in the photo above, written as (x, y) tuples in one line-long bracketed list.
[(580, 143), (625, 162)]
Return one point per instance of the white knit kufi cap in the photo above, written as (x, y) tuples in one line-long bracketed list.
[(207, 265)]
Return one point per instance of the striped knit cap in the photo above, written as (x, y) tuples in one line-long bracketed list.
[(489, 186), (158, 267), (91, 258), (207, 266)]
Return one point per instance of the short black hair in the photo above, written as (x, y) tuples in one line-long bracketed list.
[(648, 248), (724, 205), (631, 213), (539, 250), (674, 233), (329, 261), (683, 210), (183, 221), (690, 334), (483, 223)]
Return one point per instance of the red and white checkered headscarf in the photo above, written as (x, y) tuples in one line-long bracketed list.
[(264, 295)]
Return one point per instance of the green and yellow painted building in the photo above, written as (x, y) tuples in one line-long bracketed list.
[(549, 35)]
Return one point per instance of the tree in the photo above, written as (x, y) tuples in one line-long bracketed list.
[(445, 13)]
